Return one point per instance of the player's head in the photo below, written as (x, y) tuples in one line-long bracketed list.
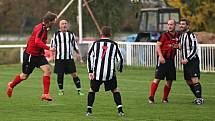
[(49, 19), (63, 25), (106, 31), (171, 25), (184, 25)]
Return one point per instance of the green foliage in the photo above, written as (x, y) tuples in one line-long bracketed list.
[(200, 13), (134, 83), (9, 56)]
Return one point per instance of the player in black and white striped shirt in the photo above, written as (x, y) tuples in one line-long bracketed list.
[(190, 60), (64, 43), (102, 58)]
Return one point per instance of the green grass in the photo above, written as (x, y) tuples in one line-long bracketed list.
[(134, 83)]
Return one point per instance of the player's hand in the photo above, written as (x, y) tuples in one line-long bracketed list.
[(52, 49), (91, 76), (184, 61), (161, 59), (176, 46)]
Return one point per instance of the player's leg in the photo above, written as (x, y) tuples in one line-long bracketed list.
[(71, 69), (118, 101), (77, 83), (27, 68), (112, 85), (153, 89), (197, 91), (170, 76), (159, 75), (166, 90), (60, 78), (19, 78), (46, 82), (94, 87), (42, 63), (59, 69)]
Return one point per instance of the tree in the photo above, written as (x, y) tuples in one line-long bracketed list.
[(200, 13)]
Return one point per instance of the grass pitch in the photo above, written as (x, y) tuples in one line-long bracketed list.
[(134, 83)]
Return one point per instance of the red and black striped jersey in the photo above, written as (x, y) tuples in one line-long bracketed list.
[(37, 41), (168, 40)]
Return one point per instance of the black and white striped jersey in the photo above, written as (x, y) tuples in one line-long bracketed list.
[(64, 43), (103, 57), (189, 45)]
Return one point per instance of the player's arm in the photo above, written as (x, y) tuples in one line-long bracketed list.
[(158, 50), (193, 50), (38, 40), (90, 62), (119, 59)]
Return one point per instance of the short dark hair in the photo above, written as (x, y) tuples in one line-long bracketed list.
[(49, 16), (106, 31), (186, 20)]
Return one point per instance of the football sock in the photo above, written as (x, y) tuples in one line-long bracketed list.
[(91, 98), (60, 77), (198, 90), (46, 84), (192, 88), (77, 82), (154, 87), (16, 81), (166, 91), (117, 99)]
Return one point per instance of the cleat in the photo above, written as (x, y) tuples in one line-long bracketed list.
[(60, 92), (151, 100), (121, 113), (46, 97), (198, 101), (80, 93), (9, 90), (164, 100), (89, 112)]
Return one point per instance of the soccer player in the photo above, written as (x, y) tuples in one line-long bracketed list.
[(165, 68), (190, 60), (102, 58), (34, 56), (64, 43)]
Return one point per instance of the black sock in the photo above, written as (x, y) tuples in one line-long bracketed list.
[(90, 101), (198, 90), (192, 88), (118, 101), (60, 77), (77, 82)]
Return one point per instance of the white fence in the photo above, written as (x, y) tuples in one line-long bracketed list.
[(143, 54)]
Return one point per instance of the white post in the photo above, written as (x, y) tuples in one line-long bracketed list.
[(21, 54), (80, 20), (128, 53), (200, 57)]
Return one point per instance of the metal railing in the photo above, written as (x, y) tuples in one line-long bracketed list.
[(143, 54)]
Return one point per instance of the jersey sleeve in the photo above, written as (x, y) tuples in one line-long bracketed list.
[(90, 59), (38, 40)]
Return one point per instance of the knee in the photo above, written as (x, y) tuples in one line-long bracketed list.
[(115, 90), (91, 91), (23, 76), (74, 75), (156, 81), (47, 72)]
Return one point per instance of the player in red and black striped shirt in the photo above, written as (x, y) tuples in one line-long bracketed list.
[(165, 68), (34, 56)]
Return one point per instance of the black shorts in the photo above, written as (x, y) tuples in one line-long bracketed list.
[(109, 84), (166, 70), (64, 66), (191, 69), (30, 62)]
